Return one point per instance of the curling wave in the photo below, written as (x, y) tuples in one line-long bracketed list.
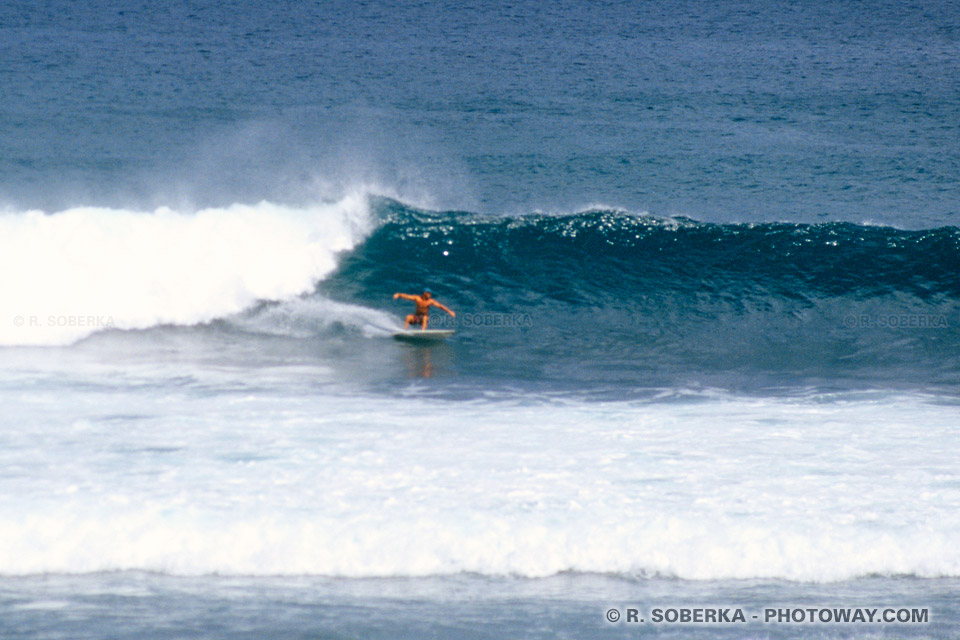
[(71, 273)]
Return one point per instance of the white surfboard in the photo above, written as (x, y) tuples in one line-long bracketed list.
[(423, 335)]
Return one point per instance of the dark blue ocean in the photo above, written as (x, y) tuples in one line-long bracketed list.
[(705, 265)]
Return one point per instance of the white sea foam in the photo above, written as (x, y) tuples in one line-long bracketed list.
[(306, 317), (74, 272), (292, 482)]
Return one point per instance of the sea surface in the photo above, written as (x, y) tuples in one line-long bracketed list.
[(705, 264)]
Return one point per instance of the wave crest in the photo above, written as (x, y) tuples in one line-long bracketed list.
[(71, 273)]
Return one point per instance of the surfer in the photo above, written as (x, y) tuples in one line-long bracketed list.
[(421, 314)]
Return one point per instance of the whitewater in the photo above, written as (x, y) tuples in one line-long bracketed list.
[(251, 473), (88, 268)]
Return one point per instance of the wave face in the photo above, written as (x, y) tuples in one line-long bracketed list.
[(86, 269), (634, 292)]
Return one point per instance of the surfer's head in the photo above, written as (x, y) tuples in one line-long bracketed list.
[(426, 293)]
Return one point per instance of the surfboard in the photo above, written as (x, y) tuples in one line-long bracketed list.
[(423, 335)]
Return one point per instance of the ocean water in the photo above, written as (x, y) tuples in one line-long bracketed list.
[(705, 260)]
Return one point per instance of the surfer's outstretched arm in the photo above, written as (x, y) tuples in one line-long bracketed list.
[(437, 304), (405, 296)]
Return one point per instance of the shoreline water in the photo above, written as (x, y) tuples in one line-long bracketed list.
[(150, 605)]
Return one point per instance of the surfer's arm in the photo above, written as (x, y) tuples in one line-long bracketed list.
[(437, 304), (405, 296)]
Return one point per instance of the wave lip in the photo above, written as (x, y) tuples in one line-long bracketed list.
[(86, 269), (596, 254)]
